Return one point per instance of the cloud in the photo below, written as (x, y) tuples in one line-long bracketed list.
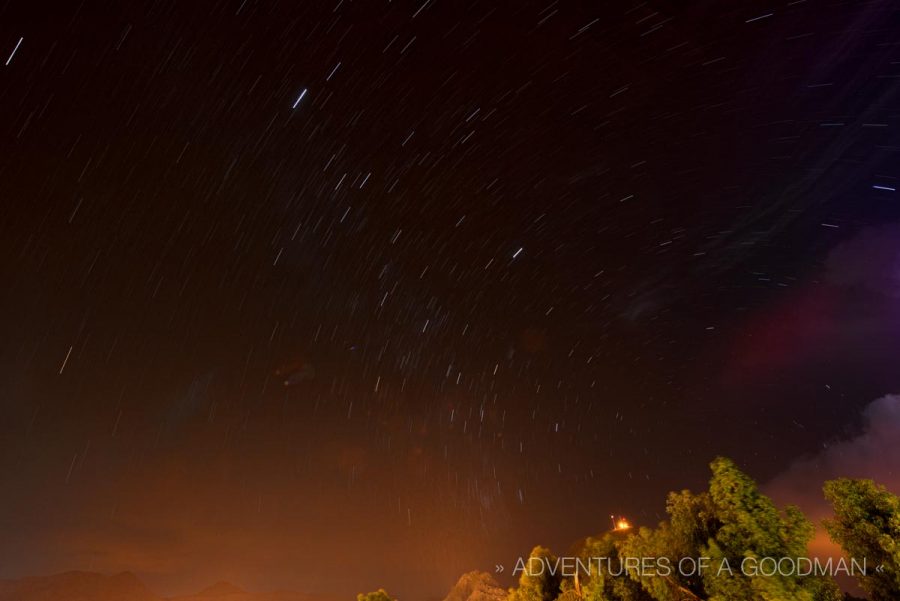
[(845, 322), (874, 453)]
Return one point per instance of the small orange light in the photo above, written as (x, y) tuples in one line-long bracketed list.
[(622, 524)]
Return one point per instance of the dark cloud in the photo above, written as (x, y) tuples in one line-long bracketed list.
[(869, 260)]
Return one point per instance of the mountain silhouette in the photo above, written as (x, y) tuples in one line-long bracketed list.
[(220, 589), (77, 586), (91, 586)]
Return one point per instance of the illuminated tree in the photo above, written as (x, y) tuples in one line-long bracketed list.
[(538, 582), (685, 535), (752, 527), (569, 594), (604, 583), (866, 524), (749, 526), (731, 522), (379, 595)]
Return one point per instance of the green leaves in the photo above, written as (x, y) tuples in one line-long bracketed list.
[(866, 524), (538, 584), (379, 595), (729, 526)]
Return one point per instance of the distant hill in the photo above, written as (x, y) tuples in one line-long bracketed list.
[(476, 586), (77, 586), (90, 586), (224, 591)]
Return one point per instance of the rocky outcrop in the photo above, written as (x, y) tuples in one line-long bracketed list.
[(476, 586)]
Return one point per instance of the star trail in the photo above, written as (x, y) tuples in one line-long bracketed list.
[(339, 295)]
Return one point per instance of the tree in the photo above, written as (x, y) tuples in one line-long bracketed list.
[(608, 582), (752, 527), (379, 595), (569, 594), (540, 580), (730, 523), (866, 524), (686, 534)]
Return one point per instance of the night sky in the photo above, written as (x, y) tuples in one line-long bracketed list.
[(339, 295)]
